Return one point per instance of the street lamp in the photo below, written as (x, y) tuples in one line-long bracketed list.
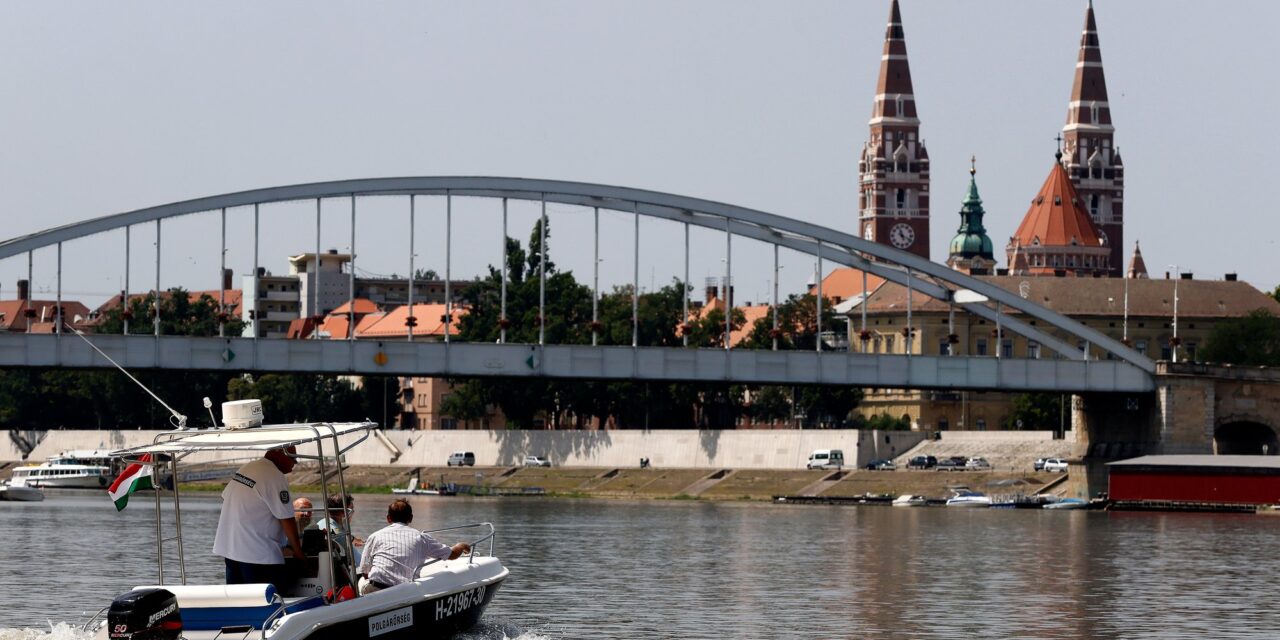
[(1173, 342)]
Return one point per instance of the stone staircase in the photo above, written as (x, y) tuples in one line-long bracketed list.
[(1011, 454)]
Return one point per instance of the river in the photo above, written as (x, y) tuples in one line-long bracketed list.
[(694, 569)]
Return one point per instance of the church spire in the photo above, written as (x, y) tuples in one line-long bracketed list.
[(1092, 159), (971, 249), (1137, 266), (894, 168)]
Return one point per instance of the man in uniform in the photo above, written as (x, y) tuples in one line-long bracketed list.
[(257, 519)]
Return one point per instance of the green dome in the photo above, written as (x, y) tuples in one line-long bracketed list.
[(971, 239)]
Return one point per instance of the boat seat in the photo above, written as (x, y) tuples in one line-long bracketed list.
[(213, 607)]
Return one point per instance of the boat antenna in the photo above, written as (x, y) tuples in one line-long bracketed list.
[(208, 404), (178, 420)]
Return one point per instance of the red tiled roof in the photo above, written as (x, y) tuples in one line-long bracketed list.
[(429, 316), (845, 283), (13, 316), (1055, 217), (362, 306)]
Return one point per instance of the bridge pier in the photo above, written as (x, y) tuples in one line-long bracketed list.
[(1178, 418)]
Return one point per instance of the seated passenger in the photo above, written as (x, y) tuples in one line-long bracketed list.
[(393, 553), (340, 509)]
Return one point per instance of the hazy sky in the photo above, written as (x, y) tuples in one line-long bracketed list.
[(111, 107)]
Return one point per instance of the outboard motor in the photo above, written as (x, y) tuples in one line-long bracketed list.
[(144, 614)]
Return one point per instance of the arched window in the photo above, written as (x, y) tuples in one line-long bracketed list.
[(901, 198), (1093, 206)]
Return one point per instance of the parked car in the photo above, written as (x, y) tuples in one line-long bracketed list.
[(977, 464), (922, 462), (954, 463), (1038, 465), (826, 459), (461, 458), (881, 465), (1055, 465), (536, 461)]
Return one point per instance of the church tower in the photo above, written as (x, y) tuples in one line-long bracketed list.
[(893, 207), (971, 251), (1092, 159)]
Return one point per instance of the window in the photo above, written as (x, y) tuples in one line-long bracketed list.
[(1191, 351), (982, 424), (944, 347), (1166, 353), (982, 347), (1006, 349), (1093, 206), (1140, 346), (1033, 350), (943, 425), (901, 198), (888, 344), (449, 423)]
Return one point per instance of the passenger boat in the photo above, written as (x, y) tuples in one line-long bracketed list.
[(83, 469), (446, 597), (18, 491), (1068, 503), (968, 499)]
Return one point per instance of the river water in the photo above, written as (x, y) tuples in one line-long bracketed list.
[(692, 569)]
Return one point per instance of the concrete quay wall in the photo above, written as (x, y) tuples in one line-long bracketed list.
[(694, 449)]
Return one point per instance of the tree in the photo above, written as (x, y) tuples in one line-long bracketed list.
[(1035, 412), (426, 274), (301, 397), (1252, 340), (797, 324), (1276, 294), (827, 406)]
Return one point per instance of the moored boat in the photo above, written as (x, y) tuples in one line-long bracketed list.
[(908, 500), (18, 491), (966, 498), (85, 469)]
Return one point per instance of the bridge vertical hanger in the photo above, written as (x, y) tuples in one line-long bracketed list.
[(774, 333), (448, 262), (1000, 332), (124, 295), (409, 319), (351, 280), (542, 274), (156, 320), (684, 294), (29, 285), (951, 327), (57, 314), (817, 278), (863, 304), (728, 286), (222, 270), (315, 283), (257, 284), (635, 278), (595, 275), (502, 304), (907, 341)]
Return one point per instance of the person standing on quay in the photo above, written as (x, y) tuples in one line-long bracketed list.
[(257, 519)]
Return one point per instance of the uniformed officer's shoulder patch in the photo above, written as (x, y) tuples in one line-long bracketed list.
[(284, 497)]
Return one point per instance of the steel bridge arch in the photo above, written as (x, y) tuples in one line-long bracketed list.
[(900, 267)]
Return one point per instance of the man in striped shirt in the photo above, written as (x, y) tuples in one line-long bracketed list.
[(393, 553)]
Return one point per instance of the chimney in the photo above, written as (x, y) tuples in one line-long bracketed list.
[(226, 279), (1231, 277), (1186, 276), (23, 289), (262, 271)]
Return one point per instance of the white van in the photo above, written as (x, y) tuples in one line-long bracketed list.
[(460, 458), (826, 459)]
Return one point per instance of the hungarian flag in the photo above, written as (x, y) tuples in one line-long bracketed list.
[(135, 477)]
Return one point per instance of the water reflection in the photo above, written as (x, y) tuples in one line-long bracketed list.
[(607, 569)]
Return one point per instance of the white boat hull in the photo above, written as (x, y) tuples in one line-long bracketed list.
[(969, 503), (20, 494)]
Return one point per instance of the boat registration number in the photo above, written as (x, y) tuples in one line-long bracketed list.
[(459, 602)]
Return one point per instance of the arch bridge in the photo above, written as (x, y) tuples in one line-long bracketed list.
[(1073, 371)]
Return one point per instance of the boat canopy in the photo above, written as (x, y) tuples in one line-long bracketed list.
[(178, 443)]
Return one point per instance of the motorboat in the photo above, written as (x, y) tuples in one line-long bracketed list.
[(1018, 501), (81, 469), (18, 491), (968, 499), (908, 500), (446, 596), (415, 489), (1068, 503)]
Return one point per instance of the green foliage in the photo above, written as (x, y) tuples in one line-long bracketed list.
[(798, 324), (1252, 340), (885, 422), (179, 316), (301, 397), (1276, 294), (1035, 412)]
